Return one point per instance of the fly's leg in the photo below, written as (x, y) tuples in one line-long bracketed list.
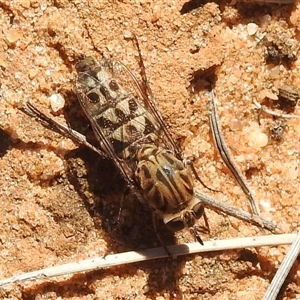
[(206, 221), (129, 190), (64, 130), (155, 225), (194, 232), (145, 86), (190, 164)]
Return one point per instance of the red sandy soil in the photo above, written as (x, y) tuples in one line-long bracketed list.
[(59, 203)]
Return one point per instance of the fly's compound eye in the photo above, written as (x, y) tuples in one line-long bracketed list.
[(93, 97), (113, 85), (198, 210), (175, 224)]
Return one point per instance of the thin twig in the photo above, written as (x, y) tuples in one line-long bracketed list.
[(235, 212), (274, 113), (284, 269), (225, 153), (150, 254)]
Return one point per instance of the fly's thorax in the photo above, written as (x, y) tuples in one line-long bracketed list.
[(163, 179), (167, 186)]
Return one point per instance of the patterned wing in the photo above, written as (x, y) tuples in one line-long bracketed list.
[(146, 95), (119, 119)]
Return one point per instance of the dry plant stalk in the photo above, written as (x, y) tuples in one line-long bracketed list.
[(150, 254), (225, 153), (283, 271)]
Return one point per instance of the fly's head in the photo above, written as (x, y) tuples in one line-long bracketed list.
[(167, 186), (185, 218)]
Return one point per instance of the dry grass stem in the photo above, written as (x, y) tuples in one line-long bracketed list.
[(150, 254)]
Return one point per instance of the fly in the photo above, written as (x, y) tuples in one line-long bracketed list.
[(131, 131)]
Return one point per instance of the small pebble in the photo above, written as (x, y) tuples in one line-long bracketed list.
[(44, 6), (252, 28), (258, 139), (11, 36), (146, 288), (57, 102), (127, 34)]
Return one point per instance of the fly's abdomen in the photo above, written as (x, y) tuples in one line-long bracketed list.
[(118, 119)]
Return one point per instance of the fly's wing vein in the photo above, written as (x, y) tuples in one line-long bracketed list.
[(146, 95), (107, 145)]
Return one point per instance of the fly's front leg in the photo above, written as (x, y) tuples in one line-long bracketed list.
[(195, 230), (189, 162)]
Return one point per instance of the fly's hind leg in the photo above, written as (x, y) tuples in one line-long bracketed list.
[(195, 230), (30, 110)]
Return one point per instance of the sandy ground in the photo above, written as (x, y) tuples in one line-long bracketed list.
[(59, 202)]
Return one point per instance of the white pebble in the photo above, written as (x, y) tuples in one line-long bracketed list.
[(258, 139), (127, 34), (57, 102), (252, 28), (43, 6)]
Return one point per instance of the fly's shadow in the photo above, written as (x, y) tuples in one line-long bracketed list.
[(101, 186)]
